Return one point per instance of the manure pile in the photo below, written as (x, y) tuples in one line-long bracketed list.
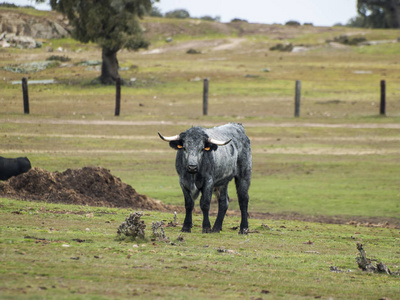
[(92, 186)]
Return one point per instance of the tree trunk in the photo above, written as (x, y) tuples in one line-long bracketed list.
[(109, 67), (394, 12)]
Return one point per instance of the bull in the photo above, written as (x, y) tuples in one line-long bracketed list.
[(10, 167), (206, 161)]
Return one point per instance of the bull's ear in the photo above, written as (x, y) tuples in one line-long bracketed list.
[(210, 147), (176, 144)]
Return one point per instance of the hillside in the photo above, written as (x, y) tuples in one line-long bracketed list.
[(50, 25)]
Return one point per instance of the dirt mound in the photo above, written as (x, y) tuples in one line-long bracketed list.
[(92, 186)]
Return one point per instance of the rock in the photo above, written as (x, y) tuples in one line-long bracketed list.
[(33, 26), (24, 42), (5, 44), (298, 49)]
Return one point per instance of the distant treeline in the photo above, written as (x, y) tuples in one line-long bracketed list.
[(371, 14), (179, 14)]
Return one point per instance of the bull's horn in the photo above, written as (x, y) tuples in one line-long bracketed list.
[(169, 138), (219, 143)]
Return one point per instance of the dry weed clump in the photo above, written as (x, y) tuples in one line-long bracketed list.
[(133, 226)]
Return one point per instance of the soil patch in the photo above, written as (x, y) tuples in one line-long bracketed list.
[(93, 186), (96, 186), (356, 221)]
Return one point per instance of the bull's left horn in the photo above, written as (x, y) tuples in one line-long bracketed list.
[(169, 138), (219, 143)]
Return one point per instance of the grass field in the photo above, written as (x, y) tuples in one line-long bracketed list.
[(338, 162), (72, 252)]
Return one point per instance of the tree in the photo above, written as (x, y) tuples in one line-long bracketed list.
[(112, 24), (379, 13), (155, 12), (178, 14)]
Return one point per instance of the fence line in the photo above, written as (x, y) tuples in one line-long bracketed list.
[(25, 95), (117, 96), (205, 96), (382, 108), (297, 99), (383, 98)]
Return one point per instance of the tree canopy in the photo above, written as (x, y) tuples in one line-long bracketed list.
[(377, 14), (112, 24)]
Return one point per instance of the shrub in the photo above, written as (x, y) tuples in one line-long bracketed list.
[(282, 47), (178, 14), (292, 23), (58, 58)]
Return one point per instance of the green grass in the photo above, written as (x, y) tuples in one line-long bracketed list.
[(289, 259)]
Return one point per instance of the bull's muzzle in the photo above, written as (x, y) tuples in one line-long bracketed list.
[(192, 169)]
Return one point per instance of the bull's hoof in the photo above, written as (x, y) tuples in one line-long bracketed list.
[(243, 231), (207, 230), (186, 229), (216, 230)]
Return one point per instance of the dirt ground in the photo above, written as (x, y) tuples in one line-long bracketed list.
[(96, 186), (93, 186)]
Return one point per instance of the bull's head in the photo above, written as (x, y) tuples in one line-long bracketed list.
[(193, 143)]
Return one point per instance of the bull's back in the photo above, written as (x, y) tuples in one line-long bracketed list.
[(227, 158), (233, 131)]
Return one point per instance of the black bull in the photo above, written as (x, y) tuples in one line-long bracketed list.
[(206, 161), (13, 166)]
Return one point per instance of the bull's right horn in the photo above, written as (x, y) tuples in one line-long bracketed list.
[(169, 138), (219, 143)]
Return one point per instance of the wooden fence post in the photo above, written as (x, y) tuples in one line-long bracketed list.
[(205, 97), (25, 95), (117, 96), (297, 99), (383, 98)]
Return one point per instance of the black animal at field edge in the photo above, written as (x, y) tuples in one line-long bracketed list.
[(10, 167)]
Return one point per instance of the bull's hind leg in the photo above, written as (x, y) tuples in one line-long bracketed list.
[(223, 203), (242, 188)]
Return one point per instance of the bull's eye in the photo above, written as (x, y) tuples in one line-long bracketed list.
[(207, 148)]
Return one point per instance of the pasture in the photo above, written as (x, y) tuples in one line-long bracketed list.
[(321, 182)]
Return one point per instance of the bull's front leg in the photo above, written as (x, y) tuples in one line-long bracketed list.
[(189, 205), (223, 203), (205, 202)]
